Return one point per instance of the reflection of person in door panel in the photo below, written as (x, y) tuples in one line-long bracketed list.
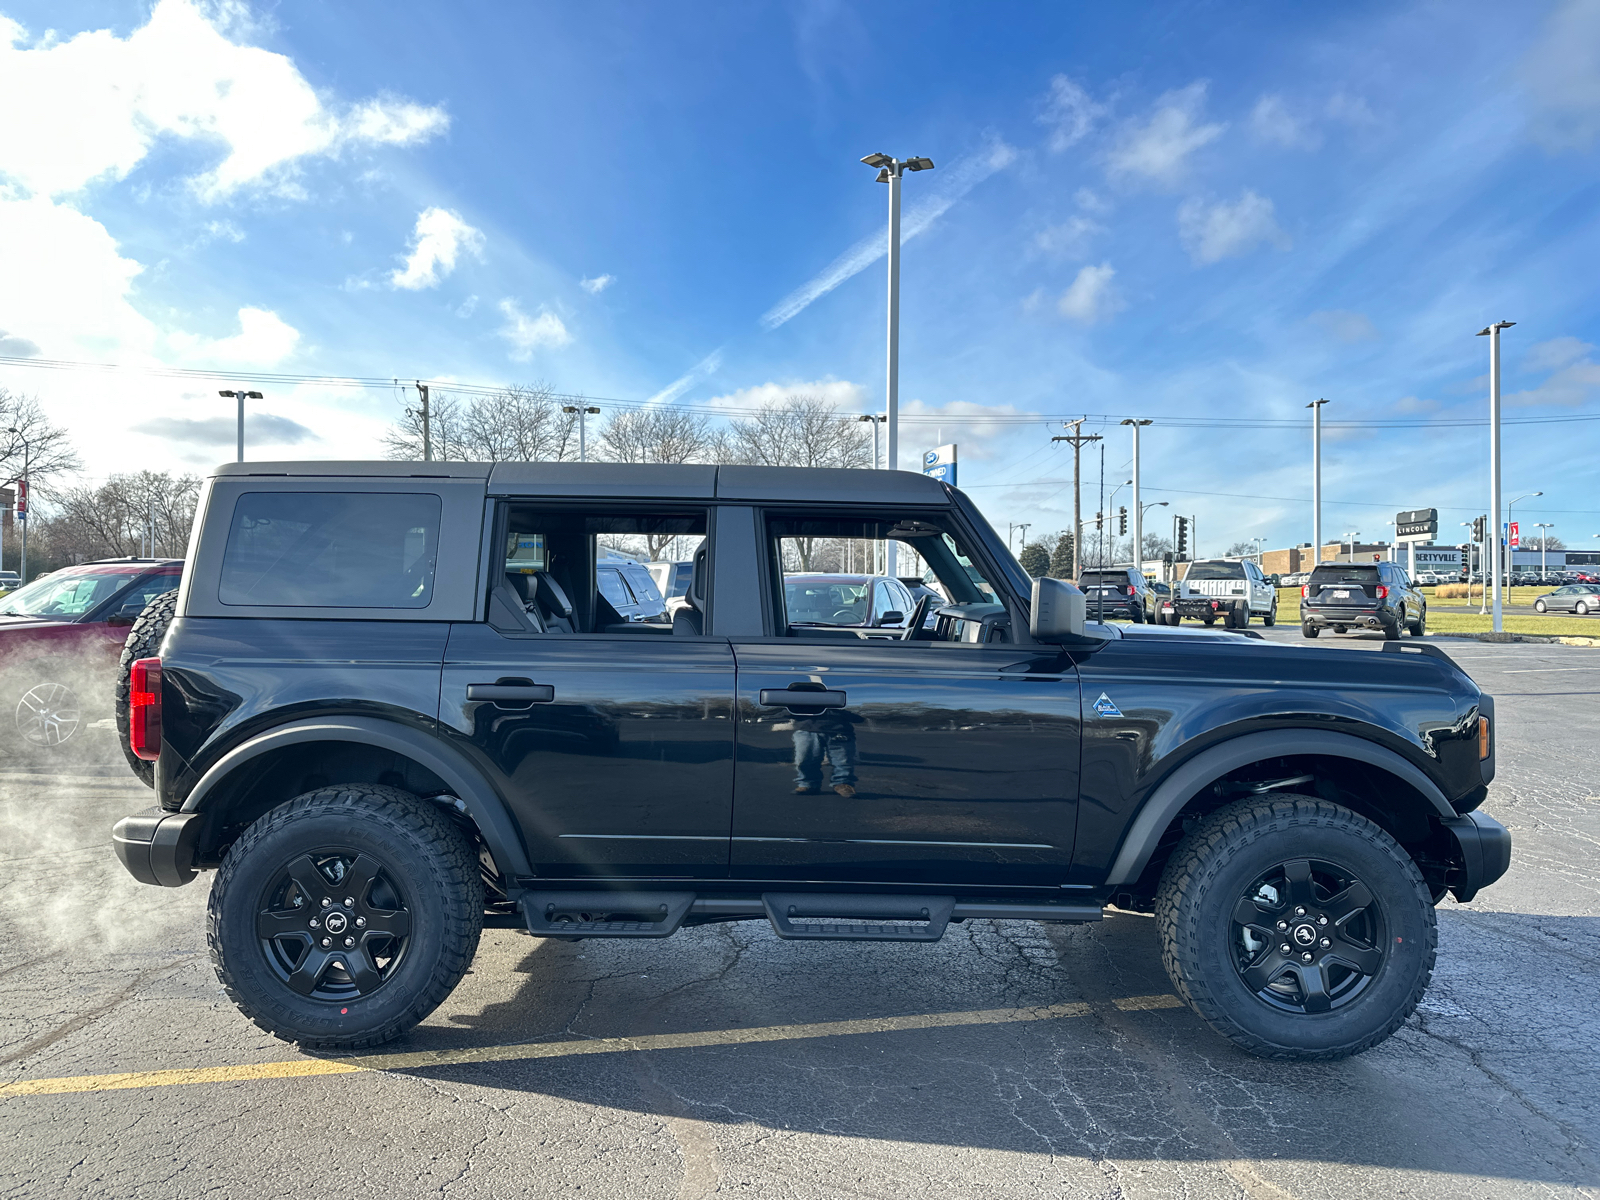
[(830, 734)]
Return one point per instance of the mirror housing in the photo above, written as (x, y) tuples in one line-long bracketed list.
[(1060, 612), (892, 617)]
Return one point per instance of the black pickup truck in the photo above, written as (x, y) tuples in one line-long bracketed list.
[(393, 706)]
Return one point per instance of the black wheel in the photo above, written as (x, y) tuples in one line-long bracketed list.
[(342, 918), (1339, 629), (1421, 627), (1391, 631), (1271, 618), (1241, 615), (1310, 631), (144, 641), (1210, 621), (1296, 928), (1136, 612)]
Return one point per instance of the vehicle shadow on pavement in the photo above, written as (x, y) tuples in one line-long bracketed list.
[(1128, 1075)]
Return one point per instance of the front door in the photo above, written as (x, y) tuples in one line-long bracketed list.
[(946, 759)]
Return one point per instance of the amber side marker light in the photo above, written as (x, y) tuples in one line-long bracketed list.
[(1483, 738)]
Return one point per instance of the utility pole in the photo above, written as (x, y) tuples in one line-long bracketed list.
[(583, 411), (1138, 510), (427, 431), (1078, 440), (1493, 334), (1316, 481)]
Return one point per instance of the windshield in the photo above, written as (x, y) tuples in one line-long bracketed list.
[(1103, 578), (1351, 574), (1216, 570), (64, 594)]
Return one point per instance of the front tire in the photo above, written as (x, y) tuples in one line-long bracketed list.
[(1421, 627), (399, 879), (1540, 606), (1348, 901)]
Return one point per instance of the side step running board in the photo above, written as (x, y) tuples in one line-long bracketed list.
[(873, 916), (605, 914)]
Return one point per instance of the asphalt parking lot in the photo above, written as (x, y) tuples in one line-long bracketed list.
[(1010, 1059)]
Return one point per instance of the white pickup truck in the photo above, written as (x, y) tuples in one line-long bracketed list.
[(1230, 590)]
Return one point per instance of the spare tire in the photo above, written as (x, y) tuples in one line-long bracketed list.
[(144, 641)]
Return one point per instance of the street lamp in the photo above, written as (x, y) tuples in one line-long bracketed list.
[(1316, 480), (1492, 332), (583, 412), (241, 396), (1138, 512), (877, 419), (1351, 538), (889, 171), (26, 456), (1258, 542), (1525, 496), (1543, 538)]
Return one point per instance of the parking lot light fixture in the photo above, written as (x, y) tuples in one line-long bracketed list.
[(1351, 538), (583, 411), (1509, 514), (1492, 332), (1543, 538), (241, 396), (1316, 480)]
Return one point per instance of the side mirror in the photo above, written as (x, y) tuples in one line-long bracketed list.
[(126, 615), (1059, 611), (893, 617)]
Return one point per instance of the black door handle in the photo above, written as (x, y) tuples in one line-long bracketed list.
[(793, 697), (526, 693)]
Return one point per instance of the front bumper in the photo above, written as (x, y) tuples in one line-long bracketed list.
[(158, 846), (1482, 853)]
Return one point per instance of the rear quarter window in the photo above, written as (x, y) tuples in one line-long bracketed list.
[(331, 550)]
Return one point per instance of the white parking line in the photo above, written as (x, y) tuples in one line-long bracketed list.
[(1546, 670)]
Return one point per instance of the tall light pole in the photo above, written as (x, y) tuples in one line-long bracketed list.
[(889, 171), (1138, 512), (241, 396), (877, 419), (27, 503), (1493, 334), (1351, 538), (1509, 515), (583, 411), (1316, 481), (1543, 538)]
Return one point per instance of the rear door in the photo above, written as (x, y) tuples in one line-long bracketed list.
[(864, 757)]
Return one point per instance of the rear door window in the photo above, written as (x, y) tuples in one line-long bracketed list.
[(613, 588), (331, 550)]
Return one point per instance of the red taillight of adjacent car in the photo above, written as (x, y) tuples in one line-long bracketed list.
[(1383, 592), (144, 709), (1305, 591)]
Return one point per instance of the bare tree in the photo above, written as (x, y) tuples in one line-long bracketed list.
[(403, 439), (1240, 550), (659, 434), (799, 431), (517, 424), (1548, 542), (113, 520), (49, 453)]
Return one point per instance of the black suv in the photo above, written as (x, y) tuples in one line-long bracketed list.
[(1376, 595), (1118, 592), (397, 741)]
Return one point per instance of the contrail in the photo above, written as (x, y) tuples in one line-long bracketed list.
[(706, 366), (959, 180)]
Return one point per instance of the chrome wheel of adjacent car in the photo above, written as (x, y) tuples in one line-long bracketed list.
[(48, 714), (1540, 606)]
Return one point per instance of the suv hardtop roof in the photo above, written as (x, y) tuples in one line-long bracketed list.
[(690, 481)]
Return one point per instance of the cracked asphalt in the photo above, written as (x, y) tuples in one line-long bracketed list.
[(1490, 1090)]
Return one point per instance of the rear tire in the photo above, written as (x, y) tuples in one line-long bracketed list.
[(144, 641), (1271, 618), (1310, 631), (413, 917), (1260, 870), (1581, 609), (1391, 631)]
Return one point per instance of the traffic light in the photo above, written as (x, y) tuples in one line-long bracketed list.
[(1478, 527), (1099, 522), (1122, 521), (1183, 538)]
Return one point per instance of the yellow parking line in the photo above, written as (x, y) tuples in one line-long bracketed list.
[(303, 1067)]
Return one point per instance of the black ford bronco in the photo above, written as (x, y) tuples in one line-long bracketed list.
[(393, 705)]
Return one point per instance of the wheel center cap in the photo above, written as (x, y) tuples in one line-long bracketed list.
[(337, 922), (1304, 935)]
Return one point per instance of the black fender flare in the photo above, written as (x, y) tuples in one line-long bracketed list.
[(1209, 765), (483, 804)]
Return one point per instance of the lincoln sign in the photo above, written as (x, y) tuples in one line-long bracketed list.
[(1418, 525)]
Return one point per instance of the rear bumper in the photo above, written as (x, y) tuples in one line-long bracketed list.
[(158, 846), (1357, 618), (1205, 606), (1482, 853)]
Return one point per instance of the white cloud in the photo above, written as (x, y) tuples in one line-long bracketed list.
[(952, 185), (97, 104), (1574, 384), (981, 429), (1273, 123), (220, 231), (1561, 72), (1070, 239), (467, 307), (1157, 150), (1212, 232), (706, 367), (527, 334), (438, 240), (1411, 404), (1347, 326), (1070, 113), (1090, 298), (849, 397), (1352, 110), (598, 284), (1555, 354), (264, 340), (1091, 202)]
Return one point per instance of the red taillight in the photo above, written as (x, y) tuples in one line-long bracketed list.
[(144, 709), (1131, 590), (1305, 591), (1383, 592)]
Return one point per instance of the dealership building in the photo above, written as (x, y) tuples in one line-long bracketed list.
[(1430, 556)]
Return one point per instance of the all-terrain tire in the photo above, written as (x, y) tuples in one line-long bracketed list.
[(1212, 869), (144, 641), (432, 871)]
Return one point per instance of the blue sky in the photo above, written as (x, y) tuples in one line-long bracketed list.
[(1187, 212)]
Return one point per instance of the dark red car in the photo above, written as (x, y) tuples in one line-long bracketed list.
[(60, 638)]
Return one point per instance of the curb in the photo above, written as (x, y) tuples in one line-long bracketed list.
[(1539, 638)]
